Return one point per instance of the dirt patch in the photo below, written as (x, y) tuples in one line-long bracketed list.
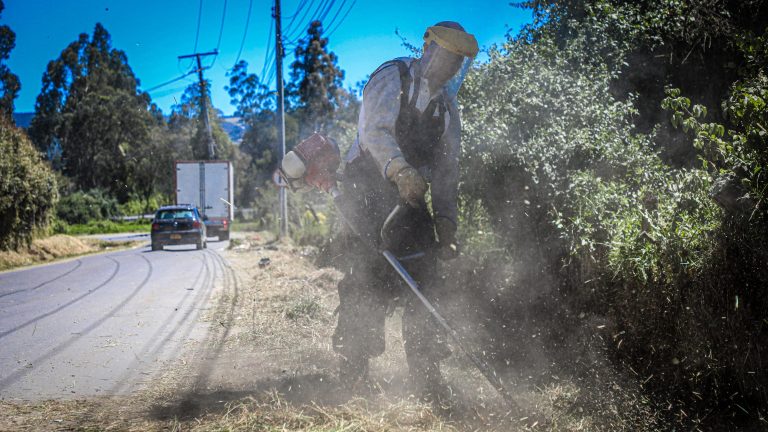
[(56, 247)]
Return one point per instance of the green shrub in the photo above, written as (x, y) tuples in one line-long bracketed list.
[(737, 152), (138, 206), (596, 223), (311, 215), (82, 207), (105, 227), (311, 219), (59, 226), (28, 190), (305, 307)]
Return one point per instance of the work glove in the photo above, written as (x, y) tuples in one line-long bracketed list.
[(410, 184), (448, 247)]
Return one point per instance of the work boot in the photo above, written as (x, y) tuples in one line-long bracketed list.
[(353, 372), (429, 385)]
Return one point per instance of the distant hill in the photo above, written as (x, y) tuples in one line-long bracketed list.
[(234, 127), (23, 120)]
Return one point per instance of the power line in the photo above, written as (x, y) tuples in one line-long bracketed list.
[(296, 13), (330, 32), (199, 18), (221, 32), (326, 11), (197, 32), (245, 33), (164, 93), (296, 27), (221, 28), (271, 74), (336, 15), (270, 50), (169, 82), (268, 62), (298, 31)]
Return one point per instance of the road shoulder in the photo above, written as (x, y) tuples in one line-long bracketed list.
[(61, 248)]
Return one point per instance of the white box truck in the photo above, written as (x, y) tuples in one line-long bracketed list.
[(208, 185)]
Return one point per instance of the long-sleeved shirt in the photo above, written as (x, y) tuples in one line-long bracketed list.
[(376, 134)]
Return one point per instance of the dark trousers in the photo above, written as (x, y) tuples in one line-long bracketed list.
[(369, 290), (370, 287)]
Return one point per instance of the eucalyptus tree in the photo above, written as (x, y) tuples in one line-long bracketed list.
[(316, 81), (91, 105), (9, 82)]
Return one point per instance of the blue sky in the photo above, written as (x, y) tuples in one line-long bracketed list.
[(154, 33)]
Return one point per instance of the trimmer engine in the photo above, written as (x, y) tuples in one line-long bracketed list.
[(312, 163)]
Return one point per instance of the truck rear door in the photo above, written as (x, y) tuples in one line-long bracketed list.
[(217, 190), (188, 184)]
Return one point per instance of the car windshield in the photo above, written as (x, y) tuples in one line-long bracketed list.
[(175, 214)]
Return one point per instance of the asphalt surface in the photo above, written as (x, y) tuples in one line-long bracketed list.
[(103, 324)]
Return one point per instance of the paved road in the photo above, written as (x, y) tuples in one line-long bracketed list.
[(102, 324)]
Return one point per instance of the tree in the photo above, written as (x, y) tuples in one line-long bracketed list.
[(248, 94), (187, 115), (150, 162), (256, 105), (9, 82), (689, 44), (90, 105), (28, 191), (316, 81)]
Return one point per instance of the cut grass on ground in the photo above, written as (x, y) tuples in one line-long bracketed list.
[(269, 413)]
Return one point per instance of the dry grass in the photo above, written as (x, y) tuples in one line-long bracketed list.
[(270, 412), (354, 416), (55, 247)]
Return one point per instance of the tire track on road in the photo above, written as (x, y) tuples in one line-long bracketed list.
[(67, 304), (77, 266), (215, 339), (153, 347), (5, 382)]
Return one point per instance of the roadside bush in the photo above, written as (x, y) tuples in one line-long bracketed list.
[(82, 207), (311, 215), (105, 227), (138, 206), (312, 219), (593, 222), (265, 206), (737, 152), (28, 191)]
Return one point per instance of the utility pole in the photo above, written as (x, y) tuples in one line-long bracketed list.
[(280, 115), (203, 104)]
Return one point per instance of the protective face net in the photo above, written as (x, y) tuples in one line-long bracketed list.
[(447, 56), (454, 84), (440, 65)]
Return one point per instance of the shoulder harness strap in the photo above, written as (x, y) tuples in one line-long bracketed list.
[(405, 79)]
